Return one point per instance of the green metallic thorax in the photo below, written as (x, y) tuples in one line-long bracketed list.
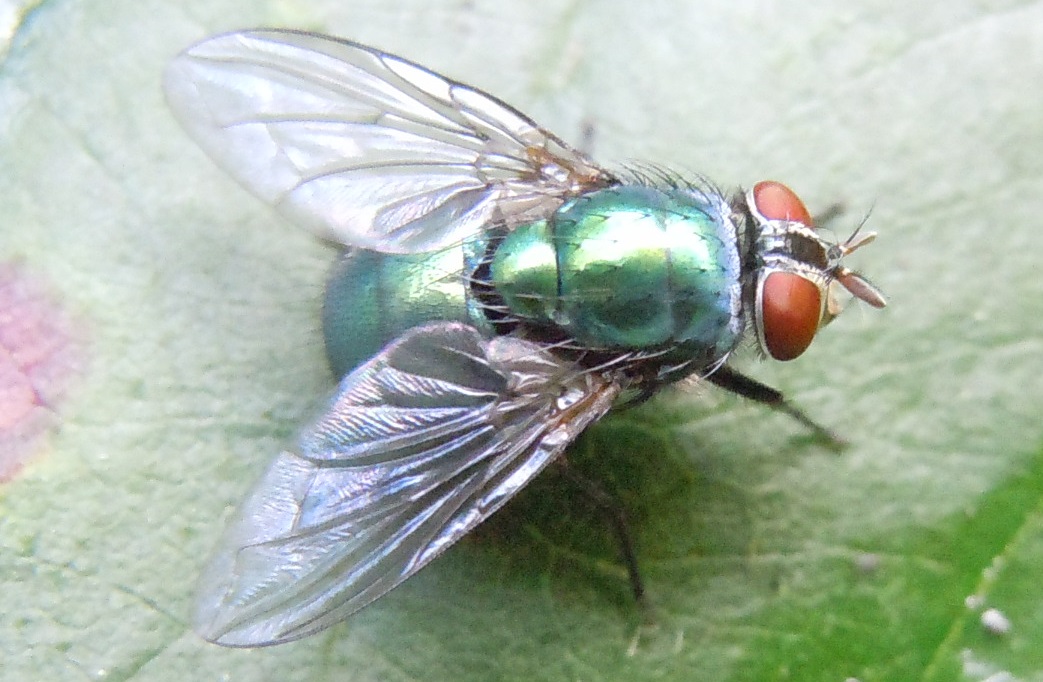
[(627, 268)]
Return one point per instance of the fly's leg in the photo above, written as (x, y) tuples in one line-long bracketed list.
[(586, 137), (727, 378), (645, 393), (614, 513), (827, 215)]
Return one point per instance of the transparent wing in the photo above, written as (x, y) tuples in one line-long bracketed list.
[(418, 446), (363, 147)]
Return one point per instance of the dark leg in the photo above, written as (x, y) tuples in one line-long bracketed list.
[(828, 215), (648, 391), (616, 516), (727, 378), (586, 138)]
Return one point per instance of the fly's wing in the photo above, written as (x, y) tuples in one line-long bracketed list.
[(419, 445), (366, 148)]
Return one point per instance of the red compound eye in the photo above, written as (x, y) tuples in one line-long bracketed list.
[(775, 201), (790, 311)]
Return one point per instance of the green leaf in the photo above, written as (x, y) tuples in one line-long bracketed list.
[(766, 556)]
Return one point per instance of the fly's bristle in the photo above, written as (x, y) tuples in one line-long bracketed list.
[(664, 177)]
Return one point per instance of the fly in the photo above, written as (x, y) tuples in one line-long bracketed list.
[(498, 293)]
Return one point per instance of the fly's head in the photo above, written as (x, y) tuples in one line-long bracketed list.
[(798, 271)]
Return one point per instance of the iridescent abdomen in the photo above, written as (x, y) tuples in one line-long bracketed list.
[(372, 298), (628, 267)]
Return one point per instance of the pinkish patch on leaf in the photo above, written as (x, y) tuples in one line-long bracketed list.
[(38, 360)]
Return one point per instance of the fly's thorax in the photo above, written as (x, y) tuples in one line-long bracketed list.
[(796, 272), (627, 267), (372, 298)]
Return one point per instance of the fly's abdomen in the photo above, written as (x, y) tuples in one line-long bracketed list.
[(628, 267), (372, 298)]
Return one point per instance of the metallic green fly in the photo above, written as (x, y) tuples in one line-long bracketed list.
[(499, 292)]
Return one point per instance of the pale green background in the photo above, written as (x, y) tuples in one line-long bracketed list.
[(768, 557)]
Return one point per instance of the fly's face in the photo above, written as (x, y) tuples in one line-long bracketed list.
[(797, 271)]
